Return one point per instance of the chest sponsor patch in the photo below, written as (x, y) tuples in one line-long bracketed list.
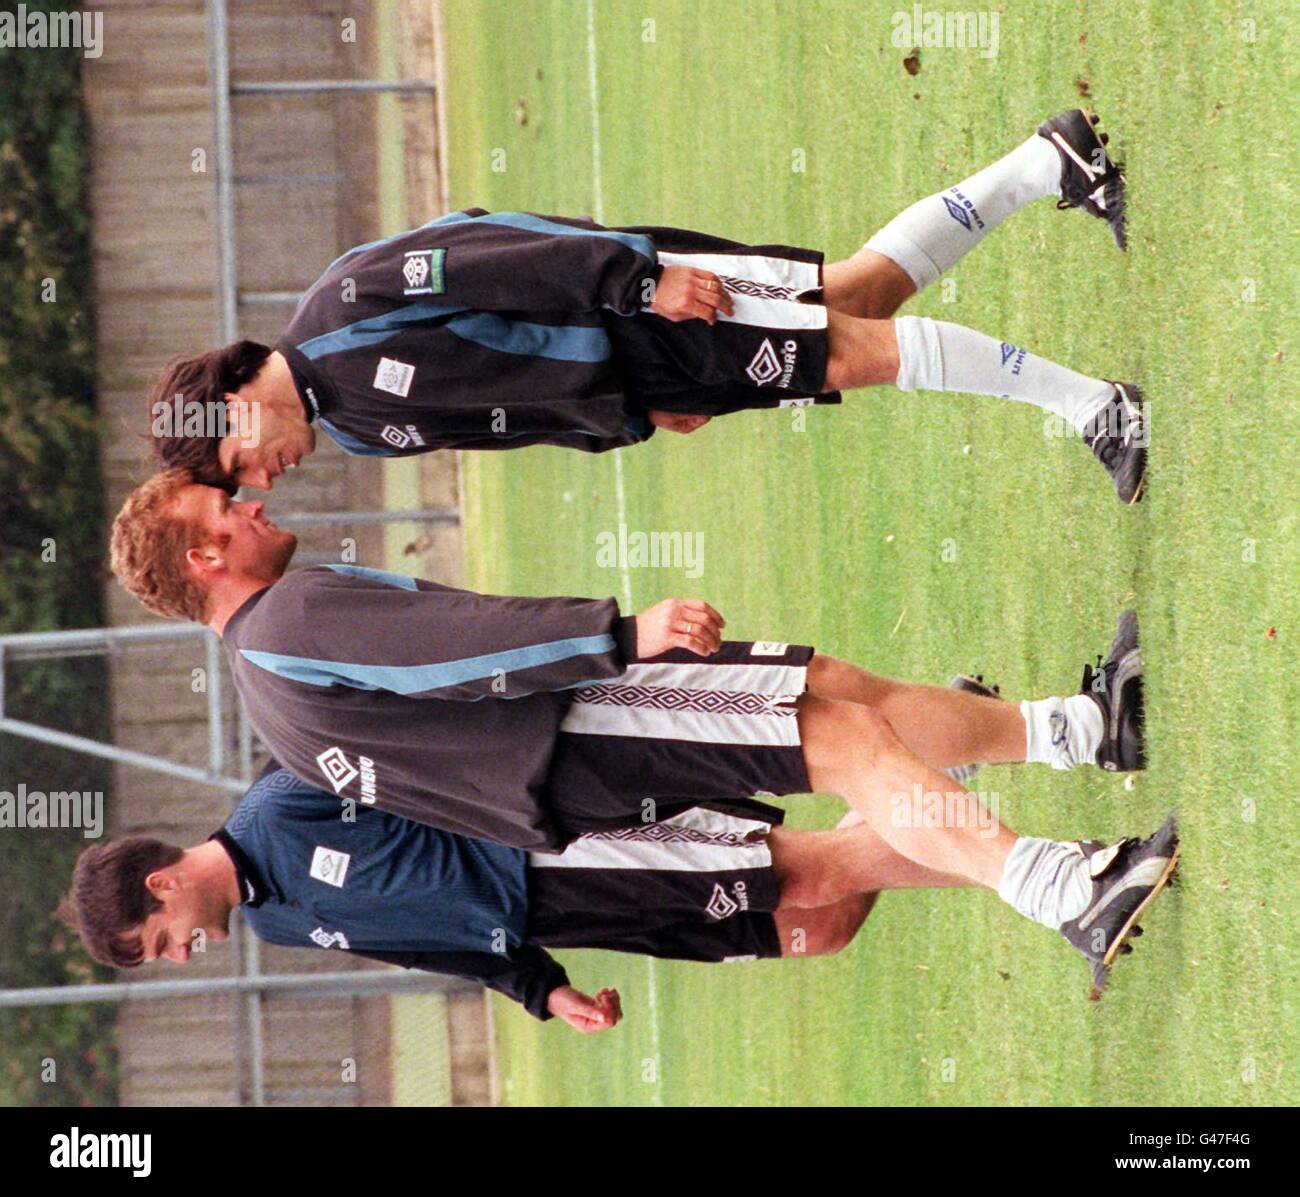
[(394, 377), (768, 648), (330, 866), (422, 272)]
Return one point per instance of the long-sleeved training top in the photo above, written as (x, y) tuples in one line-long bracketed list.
[(480, 330), (437, 704), (313, 874), (494, 330)]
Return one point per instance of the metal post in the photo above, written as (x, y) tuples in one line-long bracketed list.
[(308, 87), (216, 722), (418, 515), (122, 756), (219, 69), (368, 983)]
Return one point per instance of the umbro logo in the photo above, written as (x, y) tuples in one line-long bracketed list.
[(337, 768), (957, 212), (401, 438), (765, 366), (422, 272), (1011, 351), (329, 939), (722, 906)]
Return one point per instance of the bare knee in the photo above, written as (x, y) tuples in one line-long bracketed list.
[(840, 739), (867, 733), (824, 930), (862, 352)]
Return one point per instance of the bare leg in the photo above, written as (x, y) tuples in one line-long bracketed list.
[(815, 866), (863, 353), (822, 868), (941, 726), (868, 284), (851, 750), (821, 930)]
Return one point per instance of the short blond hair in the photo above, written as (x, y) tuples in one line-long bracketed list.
[(148, 547)]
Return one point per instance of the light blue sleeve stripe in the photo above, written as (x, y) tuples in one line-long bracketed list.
[(560, 342), (401, 581), (637, 242), (519, 220), (374, 330), (351, 444), (417, 679)]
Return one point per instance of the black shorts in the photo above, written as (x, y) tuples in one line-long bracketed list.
[(696, 886), (772, 352), (677, 731)]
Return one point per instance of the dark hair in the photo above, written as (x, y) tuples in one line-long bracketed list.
[(108, 900), (204, 379)]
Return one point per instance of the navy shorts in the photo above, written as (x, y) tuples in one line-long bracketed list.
[(771, 352), (680, 730), (697, 885)]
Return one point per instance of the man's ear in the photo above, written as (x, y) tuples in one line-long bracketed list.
[(204, 561), (161, 882)]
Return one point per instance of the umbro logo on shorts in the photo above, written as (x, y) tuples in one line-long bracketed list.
[(722, 906), (767, 367)]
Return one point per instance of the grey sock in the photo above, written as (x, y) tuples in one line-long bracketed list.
[(1046, 881)]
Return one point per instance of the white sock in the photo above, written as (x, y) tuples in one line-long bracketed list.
[(1046, 881), (1062, 733), (935, 233), (934, 355)]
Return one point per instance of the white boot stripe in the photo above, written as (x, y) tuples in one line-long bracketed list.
[(1083, 166), (1141, 876)]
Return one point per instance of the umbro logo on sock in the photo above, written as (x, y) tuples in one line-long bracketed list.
[(957, 212)]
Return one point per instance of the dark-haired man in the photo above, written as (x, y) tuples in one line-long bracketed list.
[(303, 872), (702, 886), (496, 330), (532, 721)]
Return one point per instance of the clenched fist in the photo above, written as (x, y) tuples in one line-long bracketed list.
[(588, 1015)]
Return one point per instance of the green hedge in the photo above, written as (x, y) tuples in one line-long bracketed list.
[(51, 506)]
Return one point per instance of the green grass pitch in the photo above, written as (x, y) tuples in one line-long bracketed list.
[(836, 534)]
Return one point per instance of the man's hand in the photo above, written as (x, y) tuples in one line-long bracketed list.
[(685, 293), (588, 1015), (679, 623), (676, 421)]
